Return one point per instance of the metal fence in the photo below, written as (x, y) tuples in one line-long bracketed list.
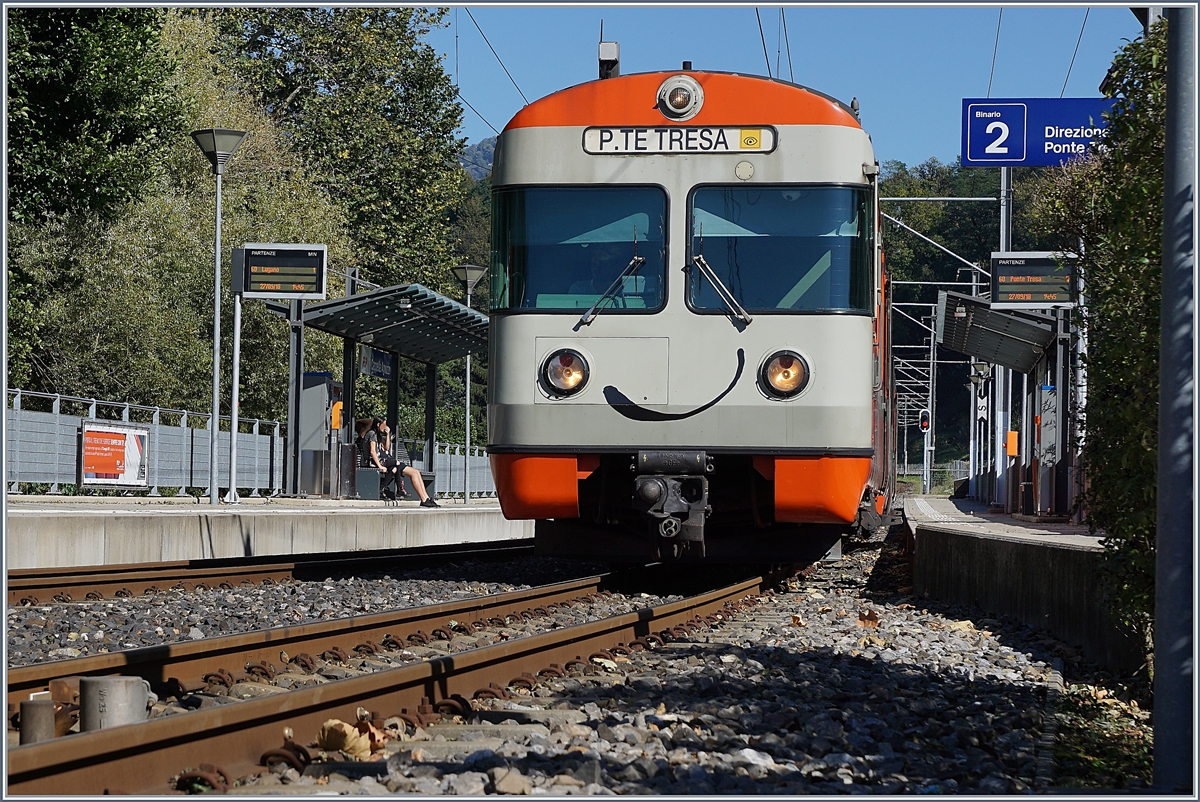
[(42, 442), (42, 438), (448, 466), (955, 469)]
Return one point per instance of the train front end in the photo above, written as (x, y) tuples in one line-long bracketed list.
[(687, 335)]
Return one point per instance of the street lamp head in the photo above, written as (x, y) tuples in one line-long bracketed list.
[(469, 274), (218, 144)]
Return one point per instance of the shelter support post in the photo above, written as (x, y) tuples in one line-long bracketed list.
[(349, 367), (393, 400), (430, 416)]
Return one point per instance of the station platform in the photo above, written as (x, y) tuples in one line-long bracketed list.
[(1046, 575), (64, 531)]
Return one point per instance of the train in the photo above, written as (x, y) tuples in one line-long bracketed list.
[(689, 347)]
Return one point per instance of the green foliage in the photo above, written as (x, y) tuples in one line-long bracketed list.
[(126, 305), (350, 143), (1102, 742), (366, 101), (23, 324), (89, 108), (89, 111), (1109, 207), (477, 159), (970, 230)]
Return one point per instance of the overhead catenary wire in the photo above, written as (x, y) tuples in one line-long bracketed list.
[(498, 59), (477, 114), (762, 36), (995, 48), (463, 160), (787, 43), (1076, 53), (778, 42)]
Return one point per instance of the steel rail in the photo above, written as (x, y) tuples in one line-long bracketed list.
[(141, 758), (47, 585), (178, 667)]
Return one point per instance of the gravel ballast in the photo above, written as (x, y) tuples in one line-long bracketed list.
[(839, 684), (50, 632)]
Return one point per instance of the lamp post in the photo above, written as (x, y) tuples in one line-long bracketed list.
[(469, 275), (217, 144)]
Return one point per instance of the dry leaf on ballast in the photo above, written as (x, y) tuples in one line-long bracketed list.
[(868, 618), (338, 736)]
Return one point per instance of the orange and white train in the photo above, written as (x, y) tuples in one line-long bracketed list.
[(689, 350)]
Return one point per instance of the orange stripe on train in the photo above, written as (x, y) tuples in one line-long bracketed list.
[(816, 489), (728, 100)]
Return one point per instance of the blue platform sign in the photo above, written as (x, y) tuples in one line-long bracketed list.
[(1030, 132), (374, 363)]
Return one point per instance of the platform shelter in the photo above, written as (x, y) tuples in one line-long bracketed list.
[(405, 320)]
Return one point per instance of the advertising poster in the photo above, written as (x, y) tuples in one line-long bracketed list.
[(113, 454)]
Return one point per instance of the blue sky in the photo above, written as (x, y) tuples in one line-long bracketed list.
[(909, 67)]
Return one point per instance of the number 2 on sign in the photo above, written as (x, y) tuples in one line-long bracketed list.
[(997, 146)]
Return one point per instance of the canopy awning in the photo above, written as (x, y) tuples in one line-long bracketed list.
[(407, 319), (969, 325)]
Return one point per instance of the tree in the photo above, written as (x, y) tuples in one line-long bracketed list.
[(367, 103), (970, 230), (477, 159), (127, 302), (89, 108), (1108, 207)]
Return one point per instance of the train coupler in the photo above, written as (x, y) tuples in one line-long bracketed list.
[(672, 487)]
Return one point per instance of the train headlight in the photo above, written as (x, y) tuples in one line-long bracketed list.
[(565, 372), (784, 374), (680, 97)]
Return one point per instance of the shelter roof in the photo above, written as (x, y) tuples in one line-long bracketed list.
[(406, 319), (1015, 340)]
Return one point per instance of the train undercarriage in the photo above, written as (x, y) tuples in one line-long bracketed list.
[(687, 506)]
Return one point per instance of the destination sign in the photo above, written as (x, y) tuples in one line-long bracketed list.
[(270, 270), (1032, 280), (679, 139)]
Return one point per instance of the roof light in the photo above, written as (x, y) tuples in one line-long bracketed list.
[(680, 97)]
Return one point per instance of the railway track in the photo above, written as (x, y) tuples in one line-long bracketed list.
[(142, 758), (33, 586), (181, 667)]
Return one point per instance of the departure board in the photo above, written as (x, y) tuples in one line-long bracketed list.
[(287, 272), (1032, 280)]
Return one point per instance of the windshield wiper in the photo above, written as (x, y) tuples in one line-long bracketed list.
[(611, 292), (735, 309)]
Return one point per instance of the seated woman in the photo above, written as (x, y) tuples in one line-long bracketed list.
[(377, 443)]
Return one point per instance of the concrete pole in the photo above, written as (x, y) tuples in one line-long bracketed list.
[(1174, 666), (215, 430)]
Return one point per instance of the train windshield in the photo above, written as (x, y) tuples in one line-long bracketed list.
[(561, 248), (782, 249)]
